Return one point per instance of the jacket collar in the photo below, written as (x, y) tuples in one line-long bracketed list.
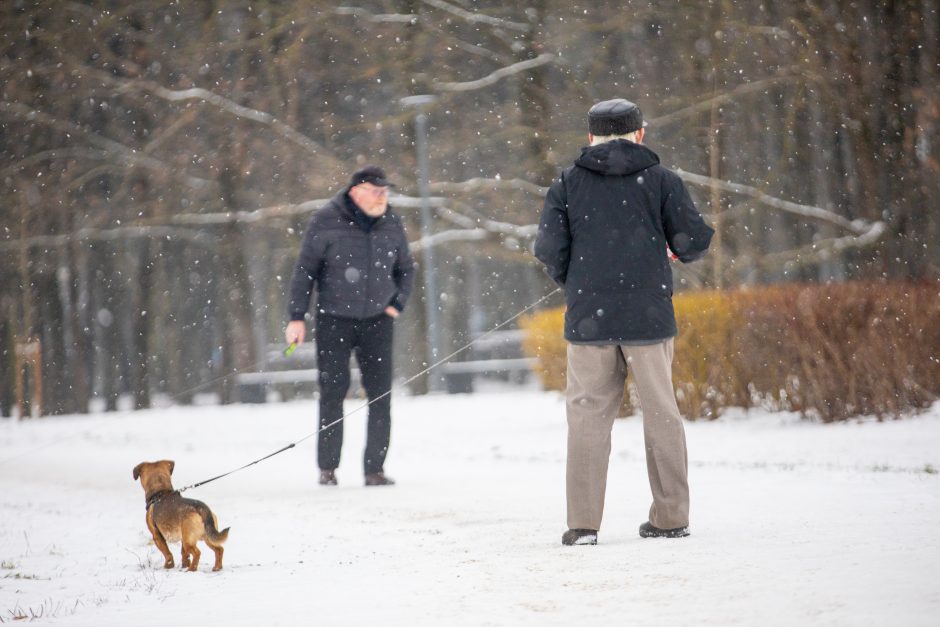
[(350, 210)]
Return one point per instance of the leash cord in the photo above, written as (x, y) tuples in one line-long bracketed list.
[(380, 397)]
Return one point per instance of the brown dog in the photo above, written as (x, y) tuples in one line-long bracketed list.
[(171, 518)]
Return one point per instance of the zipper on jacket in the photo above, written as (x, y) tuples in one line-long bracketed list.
[(367, 301)]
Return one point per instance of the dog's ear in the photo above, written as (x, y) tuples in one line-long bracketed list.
[(170, 463), (137, 470)]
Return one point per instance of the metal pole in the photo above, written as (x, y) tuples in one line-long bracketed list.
[(427, 252), (432, 297)]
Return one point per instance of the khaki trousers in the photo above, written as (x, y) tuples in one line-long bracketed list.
[(596, 376)]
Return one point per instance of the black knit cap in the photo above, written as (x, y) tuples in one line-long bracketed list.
[(614, 117), (370, 174)]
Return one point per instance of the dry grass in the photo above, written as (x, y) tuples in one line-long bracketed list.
[(829, 351)]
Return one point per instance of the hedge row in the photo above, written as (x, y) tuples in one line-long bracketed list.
[(829, 351)]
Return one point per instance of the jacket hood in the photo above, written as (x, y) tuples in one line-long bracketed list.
[(344, 203), (619, 157)]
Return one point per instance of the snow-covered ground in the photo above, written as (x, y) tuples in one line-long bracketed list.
[(792, 523)]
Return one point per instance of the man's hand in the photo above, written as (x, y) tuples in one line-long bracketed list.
[(392, 312), (294, 333)]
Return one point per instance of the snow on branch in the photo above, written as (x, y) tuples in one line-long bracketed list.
[(521, 231), (706, 105), (453, 235), (403, 18), (859, 227), (52, 154), (475, 228), (248, 217), (824, 249), (494, 77), (232, 107), (414, 18), (471, 229), (466, 224), (475, 184), (480, 18), (468, 47)]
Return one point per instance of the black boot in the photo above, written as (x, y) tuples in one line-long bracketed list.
[(579, 536), (327, 477), (647, 530), (378, 478)]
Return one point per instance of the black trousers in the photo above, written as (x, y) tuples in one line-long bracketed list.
[(371, 339)]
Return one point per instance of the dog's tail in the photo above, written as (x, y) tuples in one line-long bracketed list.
[(212, 532), (214, 535)]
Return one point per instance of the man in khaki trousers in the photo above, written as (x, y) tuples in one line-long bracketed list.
[(607, 227)]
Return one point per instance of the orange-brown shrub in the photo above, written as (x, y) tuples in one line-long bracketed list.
[(544, 340), (850, 349), (829, 351)]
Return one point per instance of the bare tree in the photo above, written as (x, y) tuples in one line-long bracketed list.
[(159, 161)]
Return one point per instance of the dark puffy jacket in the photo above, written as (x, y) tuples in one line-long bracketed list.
[(603, 235), (358, 271)]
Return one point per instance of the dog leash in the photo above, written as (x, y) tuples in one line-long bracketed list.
[(290, 349)]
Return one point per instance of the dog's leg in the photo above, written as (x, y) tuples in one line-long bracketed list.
[(159, 540), (194, 551), (191, 531), (218, 556), (185, 557), (214, 538)]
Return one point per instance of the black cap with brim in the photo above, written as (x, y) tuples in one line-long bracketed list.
[(370, 174)]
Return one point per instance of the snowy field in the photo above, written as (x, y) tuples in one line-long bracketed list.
[(792, 523)]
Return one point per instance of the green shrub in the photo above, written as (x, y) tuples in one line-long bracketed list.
[(828, 351)]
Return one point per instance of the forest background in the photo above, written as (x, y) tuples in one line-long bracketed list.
[(159, 160)]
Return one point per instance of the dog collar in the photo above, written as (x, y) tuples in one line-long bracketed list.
[(157, 496)]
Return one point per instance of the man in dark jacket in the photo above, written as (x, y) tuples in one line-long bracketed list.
[(603, 236), (356, 252)]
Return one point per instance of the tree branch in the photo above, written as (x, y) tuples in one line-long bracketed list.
[(444, 237), (114, 234), (231, 107), (402, 18), (476, 184), (706, 105), (248, 217), (480, 228), (471, 48), (134, 157), (520, 231), (824, 249), (859, 227), (479, 18), (53, 154), (494, 77)]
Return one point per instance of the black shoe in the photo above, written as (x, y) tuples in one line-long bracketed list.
[(647, 530), (327, 477), (378, 478), (579, 536)]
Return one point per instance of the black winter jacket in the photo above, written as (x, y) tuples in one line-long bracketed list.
[(358, 270), (603, 235)]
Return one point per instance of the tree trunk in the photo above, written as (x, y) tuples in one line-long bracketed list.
[(138, 312)]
